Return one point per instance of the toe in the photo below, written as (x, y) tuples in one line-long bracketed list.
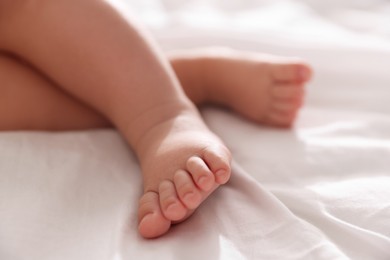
[(186, 190), (291, 72), (285, 107), (281, 119), (288, 91), (201, 173), (218, 161), (152, 223), (170, 204)]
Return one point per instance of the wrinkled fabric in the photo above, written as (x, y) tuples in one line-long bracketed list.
[(320, 190)]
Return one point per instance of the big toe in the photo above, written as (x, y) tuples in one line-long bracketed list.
[(152, 222)]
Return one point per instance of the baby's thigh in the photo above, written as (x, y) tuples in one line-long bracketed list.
[(22, 90), (11, 16), (14, 73)]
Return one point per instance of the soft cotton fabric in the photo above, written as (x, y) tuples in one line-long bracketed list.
[(320, 190)]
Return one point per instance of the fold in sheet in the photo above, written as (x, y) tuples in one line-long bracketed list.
[(318, 191)]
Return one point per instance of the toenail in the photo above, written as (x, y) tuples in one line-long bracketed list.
[(188, 196), (146, 217), (220, 173), (172, 207), (202, 180), (304, 73)]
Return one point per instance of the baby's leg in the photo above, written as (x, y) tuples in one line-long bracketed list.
[(31, 101), (93, 52), (264, 88), (272, 92)]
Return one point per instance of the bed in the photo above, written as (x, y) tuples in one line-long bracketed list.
[(320, 190)]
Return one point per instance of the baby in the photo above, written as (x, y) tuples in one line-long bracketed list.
[(80, 64)]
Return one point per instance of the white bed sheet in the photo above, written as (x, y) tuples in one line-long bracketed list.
[(318, 191)]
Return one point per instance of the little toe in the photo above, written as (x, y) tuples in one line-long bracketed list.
[(152, 223), (218, 161), (296, 71), (170, 204), (280, 119), (188, 193), (201, 173)]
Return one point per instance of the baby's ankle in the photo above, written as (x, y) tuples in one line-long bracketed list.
[(141, 131), (190, 69), (199, 71)]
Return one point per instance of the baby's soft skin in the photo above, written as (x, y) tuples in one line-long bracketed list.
[(78, 64)]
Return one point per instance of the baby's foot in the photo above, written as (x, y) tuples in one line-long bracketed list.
[(267, 89), (182, 163)]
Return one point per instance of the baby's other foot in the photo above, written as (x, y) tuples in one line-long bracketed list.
[(182, 164), (264, 88)]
